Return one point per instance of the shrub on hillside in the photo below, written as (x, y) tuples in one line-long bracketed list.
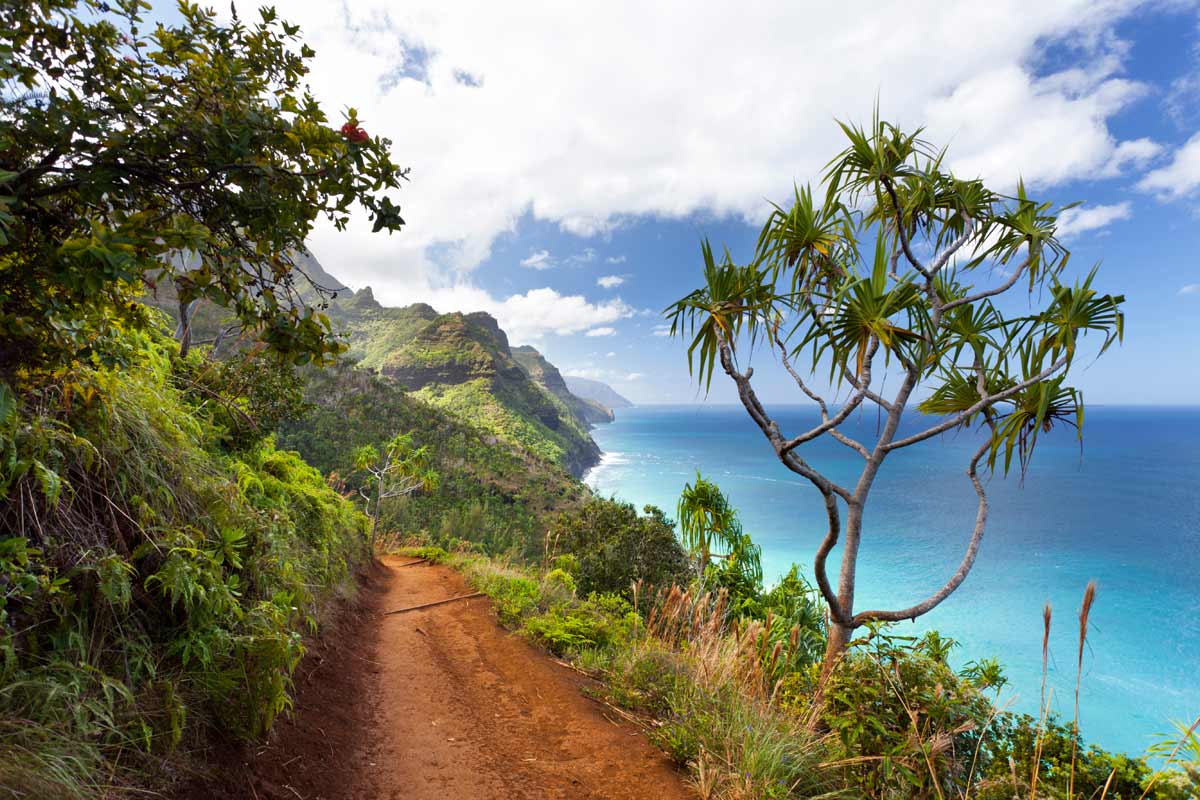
[(615, 547)]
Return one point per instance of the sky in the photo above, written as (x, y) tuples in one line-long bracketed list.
[(568, 158)]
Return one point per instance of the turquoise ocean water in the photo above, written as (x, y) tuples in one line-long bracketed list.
[(1125, 511)]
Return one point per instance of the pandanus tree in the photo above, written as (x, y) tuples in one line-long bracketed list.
[(902, 263), (710, 529), (399, 470)]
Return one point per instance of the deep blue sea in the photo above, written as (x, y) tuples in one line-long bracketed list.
[(1124, 511)]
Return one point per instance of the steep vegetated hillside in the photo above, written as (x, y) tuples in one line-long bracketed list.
[(548, 377), (490, 492), (159, 563), (463, 363)]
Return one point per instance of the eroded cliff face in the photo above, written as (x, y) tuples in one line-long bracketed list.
[(464, 362), (543, 372)]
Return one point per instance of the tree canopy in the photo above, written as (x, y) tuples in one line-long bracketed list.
[(136, 155)]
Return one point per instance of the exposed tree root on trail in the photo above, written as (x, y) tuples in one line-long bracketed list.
[(440, 703)]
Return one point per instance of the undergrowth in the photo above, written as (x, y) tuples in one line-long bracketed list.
[(158, 568)]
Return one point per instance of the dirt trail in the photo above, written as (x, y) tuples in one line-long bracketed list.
[(442, 704)]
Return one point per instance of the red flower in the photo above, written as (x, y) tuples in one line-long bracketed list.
[(354, 134)]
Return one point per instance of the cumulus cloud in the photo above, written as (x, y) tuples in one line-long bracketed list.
[(1080, 219), (524, 317), (661, 330), (1180, 177), (602, 331), (539, 259), (610, 281), (505, 116), (615, 260)]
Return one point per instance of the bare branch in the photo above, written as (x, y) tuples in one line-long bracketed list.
[(944, 256), (903, 234), (964, 567), (986, 402), (770, 428), (830, 425), (1001, 289), (827, 545)]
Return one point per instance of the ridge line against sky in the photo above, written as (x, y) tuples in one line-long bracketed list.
[(567, 159)]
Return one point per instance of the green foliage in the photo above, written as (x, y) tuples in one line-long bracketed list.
[(904, 720), (490, 492), (600, 621), (162, 581), (616, 547), (709, 527), (249, 393), (190, 155)]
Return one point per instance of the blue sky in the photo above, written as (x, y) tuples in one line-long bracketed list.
[(567, 160)]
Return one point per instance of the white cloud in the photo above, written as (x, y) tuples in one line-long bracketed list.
[(608, 375), (1080, 219), (661, 330), (602, 331), (1179, 178), (590, 138), (609, 355), (1191, 288), (610, 281), (524, 317), (615, 260), (539, 259)]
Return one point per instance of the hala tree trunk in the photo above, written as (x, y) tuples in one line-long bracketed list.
[(835, 647), (375, 521)]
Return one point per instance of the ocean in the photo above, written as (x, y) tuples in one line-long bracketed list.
[(1124, 510)]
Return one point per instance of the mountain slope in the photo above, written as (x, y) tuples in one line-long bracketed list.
[(596, 392), (490, 491), (548, 376), (462, 363)]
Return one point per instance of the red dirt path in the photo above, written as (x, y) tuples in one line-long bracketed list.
[(441, 704)]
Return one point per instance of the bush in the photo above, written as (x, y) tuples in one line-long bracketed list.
[(599, 622), (615, 547)]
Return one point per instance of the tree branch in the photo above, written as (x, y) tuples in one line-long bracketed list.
[(986, 402), (901, 232), (964, 567), (769, 428), (827, 545), (1001, 289), (827, 425), (944, 256)]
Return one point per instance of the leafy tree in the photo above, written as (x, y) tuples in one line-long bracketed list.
[(400, 470), (709, 524), (188, 156), (616, 547), (885, 268)]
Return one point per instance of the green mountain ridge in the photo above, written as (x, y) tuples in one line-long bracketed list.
[(462, 363), (546, 374)]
